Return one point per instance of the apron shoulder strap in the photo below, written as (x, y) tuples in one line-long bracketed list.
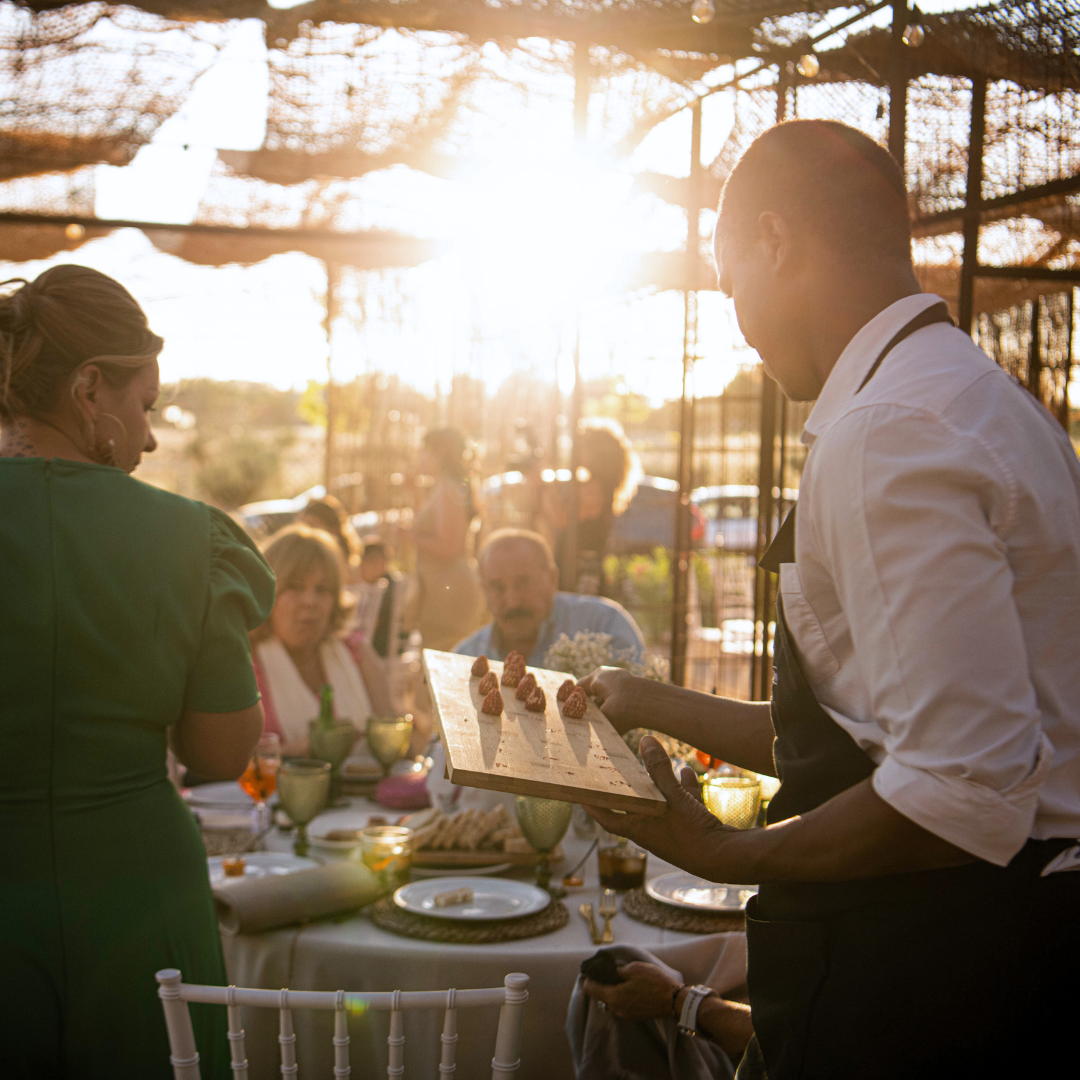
[(782, 548), (936, 313)]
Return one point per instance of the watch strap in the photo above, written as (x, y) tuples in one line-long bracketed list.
[(694, 997)]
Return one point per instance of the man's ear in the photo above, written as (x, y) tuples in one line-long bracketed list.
[(775, 239)]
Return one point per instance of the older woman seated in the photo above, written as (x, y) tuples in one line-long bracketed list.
[(301, 648)]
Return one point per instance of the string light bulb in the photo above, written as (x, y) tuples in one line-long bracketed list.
[(913, 36), (808, 65), (702, 11)]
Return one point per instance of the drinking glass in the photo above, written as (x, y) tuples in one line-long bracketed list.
[(769, 787), (260, 778), (388, 739), (544, 823), (386, 850), (735, 800), (332, 745), (303, 786), (621, 866)]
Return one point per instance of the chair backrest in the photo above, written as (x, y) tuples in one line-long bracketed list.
[(175, 994)]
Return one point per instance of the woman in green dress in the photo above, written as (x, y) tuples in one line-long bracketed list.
[(124, 615)]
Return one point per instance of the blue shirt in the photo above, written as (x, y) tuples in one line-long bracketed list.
[(570, 614)]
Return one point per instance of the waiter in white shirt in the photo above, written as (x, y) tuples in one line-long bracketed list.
[(916, 915)]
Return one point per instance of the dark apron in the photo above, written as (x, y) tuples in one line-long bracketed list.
[(923, 974)]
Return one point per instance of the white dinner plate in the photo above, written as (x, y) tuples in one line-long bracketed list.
[(493, 898), (261, 864), (225, 793), (686, 891)]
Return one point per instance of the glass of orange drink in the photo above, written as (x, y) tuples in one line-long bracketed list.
[(260, 777)]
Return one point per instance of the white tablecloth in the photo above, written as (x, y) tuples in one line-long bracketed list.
[(354, 954)]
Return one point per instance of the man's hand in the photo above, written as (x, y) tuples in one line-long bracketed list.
[(687, 835), (646, 995), (613, 691)]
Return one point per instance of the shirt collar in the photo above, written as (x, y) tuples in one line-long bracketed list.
[(856, 359)]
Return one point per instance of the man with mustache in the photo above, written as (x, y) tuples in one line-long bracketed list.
[(520, 583)]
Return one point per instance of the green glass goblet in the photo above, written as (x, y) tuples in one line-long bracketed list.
[(332, 745), (544, 823), (303, 787), (388, 739)]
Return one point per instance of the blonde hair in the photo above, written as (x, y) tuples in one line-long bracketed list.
[(293, 552), (67, 317)]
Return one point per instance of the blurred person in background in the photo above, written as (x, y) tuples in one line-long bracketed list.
[(379, 590), (124, 621), (301, 648), (521, 584), (611, 471), (449, 603), (329, 515)]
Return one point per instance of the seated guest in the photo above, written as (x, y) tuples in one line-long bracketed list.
[(301, 649), (520, 582), (379, 594), (329, 515), (637, 1030)]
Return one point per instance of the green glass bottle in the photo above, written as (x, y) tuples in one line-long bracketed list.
[(326, 706)]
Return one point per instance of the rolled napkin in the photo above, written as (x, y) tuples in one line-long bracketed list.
[(249, 905)]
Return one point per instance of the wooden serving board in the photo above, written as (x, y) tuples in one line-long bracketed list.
[(481, 858), (546, 754)]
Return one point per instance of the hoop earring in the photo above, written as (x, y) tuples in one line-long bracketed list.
[(105, 449)]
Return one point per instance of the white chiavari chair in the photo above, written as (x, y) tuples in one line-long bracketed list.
[(175, 994)]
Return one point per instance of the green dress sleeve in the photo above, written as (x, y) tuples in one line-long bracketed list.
[(241, 598)]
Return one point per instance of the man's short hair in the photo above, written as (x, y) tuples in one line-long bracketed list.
[(376, 547), (524, 536), (841, 183)]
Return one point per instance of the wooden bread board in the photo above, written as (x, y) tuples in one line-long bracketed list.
[(582, 761), (481, 858)]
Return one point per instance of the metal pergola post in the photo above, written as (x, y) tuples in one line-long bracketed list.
[(969, 269), (333, 276), (680, 563), (898, 83), (760, 660)]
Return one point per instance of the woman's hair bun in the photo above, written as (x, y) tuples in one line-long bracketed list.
[(51, 326)]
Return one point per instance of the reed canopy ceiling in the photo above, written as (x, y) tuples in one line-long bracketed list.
[(430, 88)]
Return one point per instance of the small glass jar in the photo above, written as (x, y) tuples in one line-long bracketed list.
[(621, 865), (386, 850)]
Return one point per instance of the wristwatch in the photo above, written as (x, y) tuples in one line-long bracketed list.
[(694, 997)]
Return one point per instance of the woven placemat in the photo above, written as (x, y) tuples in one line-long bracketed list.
[(225, 841), (641, 906), (389, 916)]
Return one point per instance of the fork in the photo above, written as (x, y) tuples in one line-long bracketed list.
[(587, 915), (608, 909)]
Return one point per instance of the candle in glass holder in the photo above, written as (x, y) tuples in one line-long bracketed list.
[(735, 800), (386, 850)]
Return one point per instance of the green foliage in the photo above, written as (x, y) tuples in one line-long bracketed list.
[(237, 469), (643, 587), (221, 406), (312, 405)]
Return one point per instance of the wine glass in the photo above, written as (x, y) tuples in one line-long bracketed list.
[(544, 823), (303, 786), (260, 777), (735, 800), (388, 739), (332, 744)]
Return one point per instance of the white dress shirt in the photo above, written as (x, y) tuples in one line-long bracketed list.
[(935, 599)]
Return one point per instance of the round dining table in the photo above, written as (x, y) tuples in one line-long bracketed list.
[(351, 953)]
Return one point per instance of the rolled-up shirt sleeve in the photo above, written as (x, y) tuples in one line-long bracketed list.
[(912, 539)]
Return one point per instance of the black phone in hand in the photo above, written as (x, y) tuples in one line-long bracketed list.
[(602, 968)]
